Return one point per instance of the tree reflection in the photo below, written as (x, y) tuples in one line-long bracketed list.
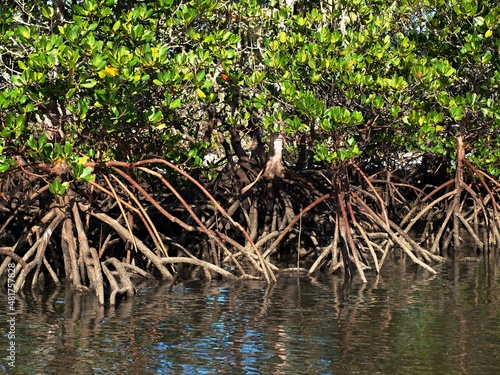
[(398, 322)]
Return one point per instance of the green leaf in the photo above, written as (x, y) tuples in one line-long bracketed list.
[(77, 169), (32, 143), (200, 76), (71, 92), (395, 109), (64, 187), (42, 140), (457, 113), (485, 59), (4, 167), (54, 186), (175, 104), (86, 175), (155, 116), (201, 94), (89, 83), (116, 25), (24, 31), (48, 12)]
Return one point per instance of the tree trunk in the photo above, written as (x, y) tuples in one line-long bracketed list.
[(459, 180), (274, 165)]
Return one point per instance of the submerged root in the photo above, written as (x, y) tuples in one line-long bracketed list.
[(120, 284)]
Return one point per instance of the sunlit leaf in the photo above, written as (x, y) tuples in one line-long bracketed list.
[(88, 84), (111, 71), (175, 104), (201, 94)]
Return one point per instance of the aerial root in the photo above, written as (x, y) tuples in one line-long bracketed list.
[(124, 233), (120, 285), (39, 247), (266, 222), (197, 262)]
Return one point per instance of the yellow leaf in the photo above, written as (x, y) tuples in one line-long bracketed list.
[(488, 33), (201, 94), (111, 70), (160, 125), (83, 159)]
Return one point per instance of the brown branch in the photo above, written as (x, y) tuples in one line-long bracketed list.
[(153, 201), (406, 247), (426, 209), (293, 222), (379, 198), (124, 233), (416, 207), (69, 249), (51, 272), (145, 219), (109, 193), (482, 174), (345, 232), (9, 252), (319, 259), (121, 208), (441, 230), (268, 274), (365, 238)]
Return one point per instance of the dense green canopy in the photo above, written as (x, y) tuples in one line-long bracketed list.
[(340, 79)]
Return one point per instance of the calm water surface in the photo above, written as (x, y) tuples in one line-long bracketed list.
[(404, 321)]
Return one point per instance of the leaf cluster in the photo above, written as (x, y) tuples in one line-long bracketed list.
[(349, 79)]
